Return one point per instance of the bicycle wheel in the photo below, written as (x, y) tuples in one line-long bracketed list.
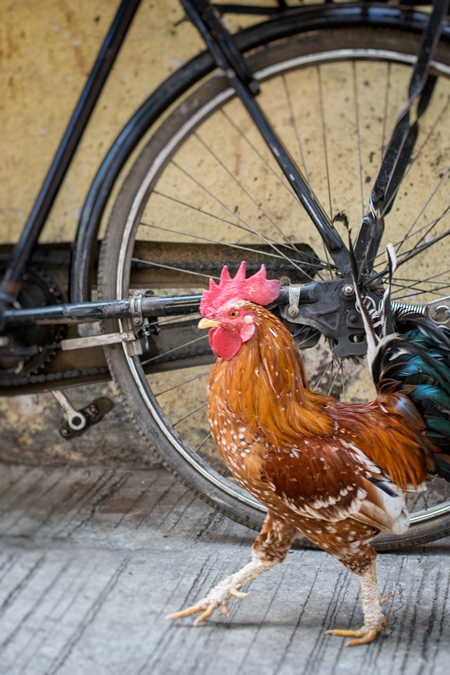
[(205, 192)]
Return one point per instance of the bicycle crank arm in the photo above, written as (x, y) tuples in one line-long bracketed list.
[(79, 421)]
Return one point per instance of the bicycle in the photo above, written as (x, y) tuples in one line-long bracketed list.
[(302, 79)]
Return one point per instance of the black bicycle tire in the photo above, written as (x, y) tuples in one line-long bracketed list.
[(120, 369)]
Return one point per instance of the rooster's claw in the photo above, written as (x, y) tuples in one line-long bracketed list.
[(216, 598), (362, 636), (205, 607)]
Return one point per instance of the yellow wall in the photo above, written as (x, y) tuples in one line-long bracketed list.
[(47, 50)]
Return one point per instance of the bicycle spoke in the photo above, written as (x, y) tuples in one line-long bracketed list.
[(420, 249), (248, 226), (216, 241), (170, 351), (358, 137), (269, 166), (171, 267), (246, 192), (410, 282), (416, 288), (428, 227), (190, 413), (411, 292), (199, 447), (319, 266), (386, 107), (324, 138), (179, 319), (300, 343), (335, 376), (199, 210), (429, 230), (181, 384), (418, 154), (411, 228), (239, 247), (344, 395), (324, 373), (297, 133)]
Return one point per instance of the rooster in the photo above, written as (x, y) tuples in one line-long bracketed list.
[(336, 472)]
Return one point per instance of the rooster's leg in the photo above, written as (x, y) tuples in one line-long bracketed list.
[(269, 549), (374, 620)]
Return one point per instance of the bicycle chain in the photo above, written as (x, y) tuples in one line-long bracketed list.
[(42, 378), (37, 288)]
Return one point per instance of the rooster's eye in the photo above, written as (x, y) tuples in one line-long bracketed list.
[(233, 313)]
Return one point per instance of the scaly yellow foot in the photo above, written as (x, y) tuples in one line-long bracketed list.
[(363, 636), (229, 587), (374, 620), (209, 605)]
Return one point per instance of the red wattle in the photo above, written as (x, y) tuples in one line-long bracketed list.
[(224, 343)]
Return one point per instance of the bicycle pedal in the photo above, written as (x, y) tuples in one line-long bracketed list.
[(90, 415)]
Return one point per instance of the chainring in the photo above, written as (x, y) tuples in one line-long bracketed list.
[(28, 350)]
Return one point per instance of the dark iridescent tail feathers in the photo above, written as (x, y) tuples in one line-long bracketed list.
[(409, 356), (415, 362)]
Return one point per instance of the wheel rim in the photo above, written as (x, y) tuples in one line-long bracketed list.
[(419, 227)]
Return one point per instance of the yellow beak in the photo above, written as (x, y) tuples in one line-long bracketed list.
[(208, 323)]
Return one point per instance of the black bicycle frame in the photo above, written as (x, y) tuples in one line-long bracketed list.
[(224, 52)]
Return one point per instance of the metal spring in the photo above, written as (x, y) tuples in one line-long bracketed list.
[(403, 306)]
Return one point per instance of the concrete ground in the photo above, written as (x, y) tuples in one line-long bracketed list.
[(98, 543), (93, 559)]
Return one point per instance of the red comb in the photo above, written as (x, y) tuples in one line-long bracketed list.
[(257, 288)]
